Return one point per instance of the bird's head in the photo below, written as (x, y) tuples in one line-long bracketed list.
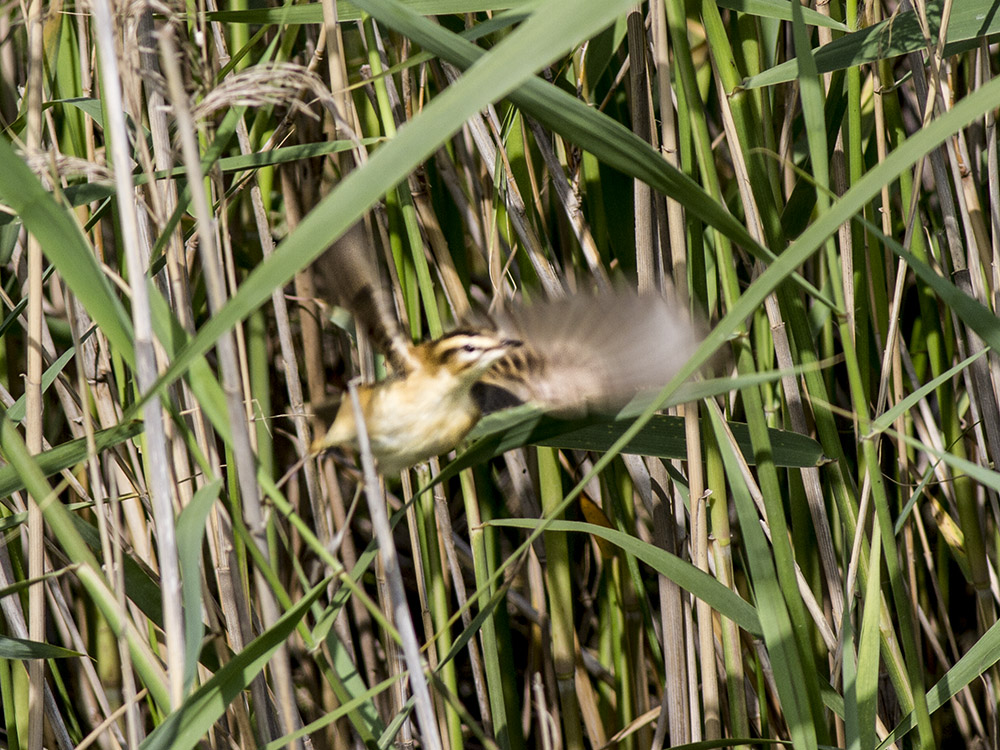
[(468, 354)]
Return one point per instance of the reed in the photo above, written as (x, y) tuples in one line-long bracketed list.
[(804, 551)]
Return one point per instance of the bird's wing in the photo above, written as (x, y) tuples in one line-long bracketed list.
[(348, 275), (592, 353)]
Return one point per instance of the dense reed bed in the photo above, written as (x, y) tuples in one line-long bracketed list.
[(805, 550)]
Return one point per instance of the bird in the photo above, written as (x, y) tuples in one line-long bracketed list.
[(583, 353), (426, 410)]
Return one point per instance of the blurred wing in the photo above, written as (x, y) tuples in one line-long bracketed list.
[(347, 275), (594, 353)]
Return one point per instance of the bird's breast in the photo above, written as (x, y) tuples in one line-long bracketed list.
[(412, 419)]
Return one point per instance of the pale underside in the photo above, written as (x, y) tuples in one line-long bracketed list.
[(408, 419)]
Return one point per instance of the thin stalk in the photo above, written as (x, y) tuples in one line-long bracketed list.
[(506, 728), (559, 586), (639, 98), (711, 707), (388, 107), (158, 464), (436, 596), (33, 394), (717, 520), (232, 383), (401, 612), (623, 610), (461, 596)]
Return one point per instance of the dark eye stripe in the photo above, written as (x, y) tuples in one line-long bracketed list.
[(450, 353)]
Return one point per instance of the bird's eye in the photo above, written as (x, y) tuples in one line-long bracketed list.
[(468, 348)]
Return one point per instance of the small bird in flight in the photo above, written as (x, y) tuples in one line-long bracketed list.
[(582, 353)]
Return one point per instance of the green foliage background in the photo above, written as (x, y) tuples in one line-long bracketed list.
[(806, 553)]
